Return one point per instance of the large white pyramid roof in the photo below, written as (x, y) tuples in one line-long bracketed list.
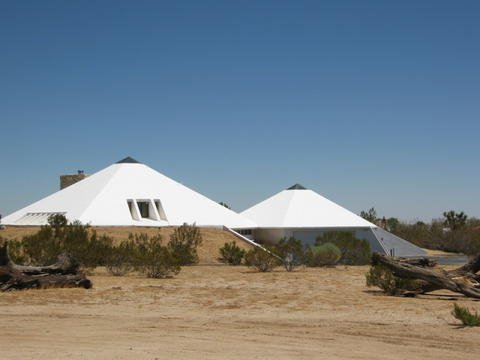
[(114, 195), (297, 207)]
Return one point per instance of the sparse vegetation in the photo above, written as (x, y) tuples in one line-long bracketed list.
[(369, 215), (261, 260), (184, 242), (381, 277), (146, 254), (455, 221), (323, 255), (291, 252), (465, 316), (59, 237), (15, 250), (121, 259), (231, 254), (154, 259), (353, 251), (455, 232)]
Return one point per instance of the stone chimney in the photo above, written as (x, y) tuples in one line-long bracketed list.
[(67, 180)]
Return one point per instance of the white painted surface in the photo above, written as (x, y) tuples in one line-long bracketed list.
[(304, 214), (302, 209), (101, 199)]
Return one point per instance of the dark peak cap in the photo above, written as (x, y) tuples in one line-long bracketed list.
[(128, 160), (297, 187)]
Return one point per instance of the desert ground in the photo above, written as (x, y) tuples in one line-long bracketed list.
[(211, 311), (221, 312)]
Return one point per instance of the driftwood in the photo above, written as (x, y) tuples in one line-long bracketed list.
[(420, 261), (64, 273), (463, 280)]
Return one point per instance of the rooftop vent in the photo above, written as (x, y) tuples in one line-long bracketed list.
[(297, 187), (128, 160)]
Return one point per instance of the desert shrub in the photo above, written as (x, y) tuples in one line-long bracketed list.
[(93, 252), (231, 254), (121, 259), (291, 252), (261, 259), (454, 233), (353, 251), (15, 251), (59, 237), (42, 247), (323, 255), (152, 258), (184, 242), (381, 277), (465, 316)]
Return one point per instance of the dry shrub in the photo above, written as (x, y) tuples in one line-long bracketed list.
[(121, 259), (231, 254), (261, 259), (184, 242), (381, 277), (152, 258), (291, 252)]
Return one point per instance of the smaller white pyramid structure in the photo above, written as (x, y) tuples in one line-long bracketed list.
[(298, 207), (304, 214), (129, 193)]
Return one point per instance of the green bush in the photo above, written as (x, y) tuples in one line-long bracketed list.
[(184, 242), (121, 259), (465, 316), (152, 258), (261, 259), (15, 250), (42, 247), (381, 277), (323, 255), (59, 237), (231, 254), (455, 233), (291, 252), (354, 251)]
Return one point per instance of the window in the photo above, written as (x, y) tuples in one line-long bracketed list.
[(144, 208)]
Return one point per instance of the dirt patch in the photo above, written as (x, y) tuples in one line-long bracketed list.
[(219, 312)]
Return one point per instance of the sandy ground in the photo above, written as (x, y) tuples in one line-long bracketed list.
[(220, 312), (213, 238)]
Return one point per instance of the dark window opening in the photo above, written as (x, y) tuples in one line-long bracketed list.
[(143, 207)]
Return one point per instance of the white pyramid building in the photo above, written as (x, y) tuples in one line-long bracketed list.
[(303, 214), (129, 193)]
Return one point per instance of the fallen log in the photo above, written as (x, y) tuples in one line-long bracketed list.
[(421, 261), (64, 265), (472, 267), (459, 280), (64, 273)]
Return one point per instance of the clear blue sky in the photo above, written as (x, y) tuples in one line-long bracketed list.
[(370, 103)]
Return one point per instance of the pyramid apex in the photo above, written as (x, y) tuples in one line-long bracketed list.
[(297, 186), (128, 160)]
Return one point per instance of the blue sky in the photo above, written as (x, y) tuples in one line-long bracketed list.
[(370, 103)]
